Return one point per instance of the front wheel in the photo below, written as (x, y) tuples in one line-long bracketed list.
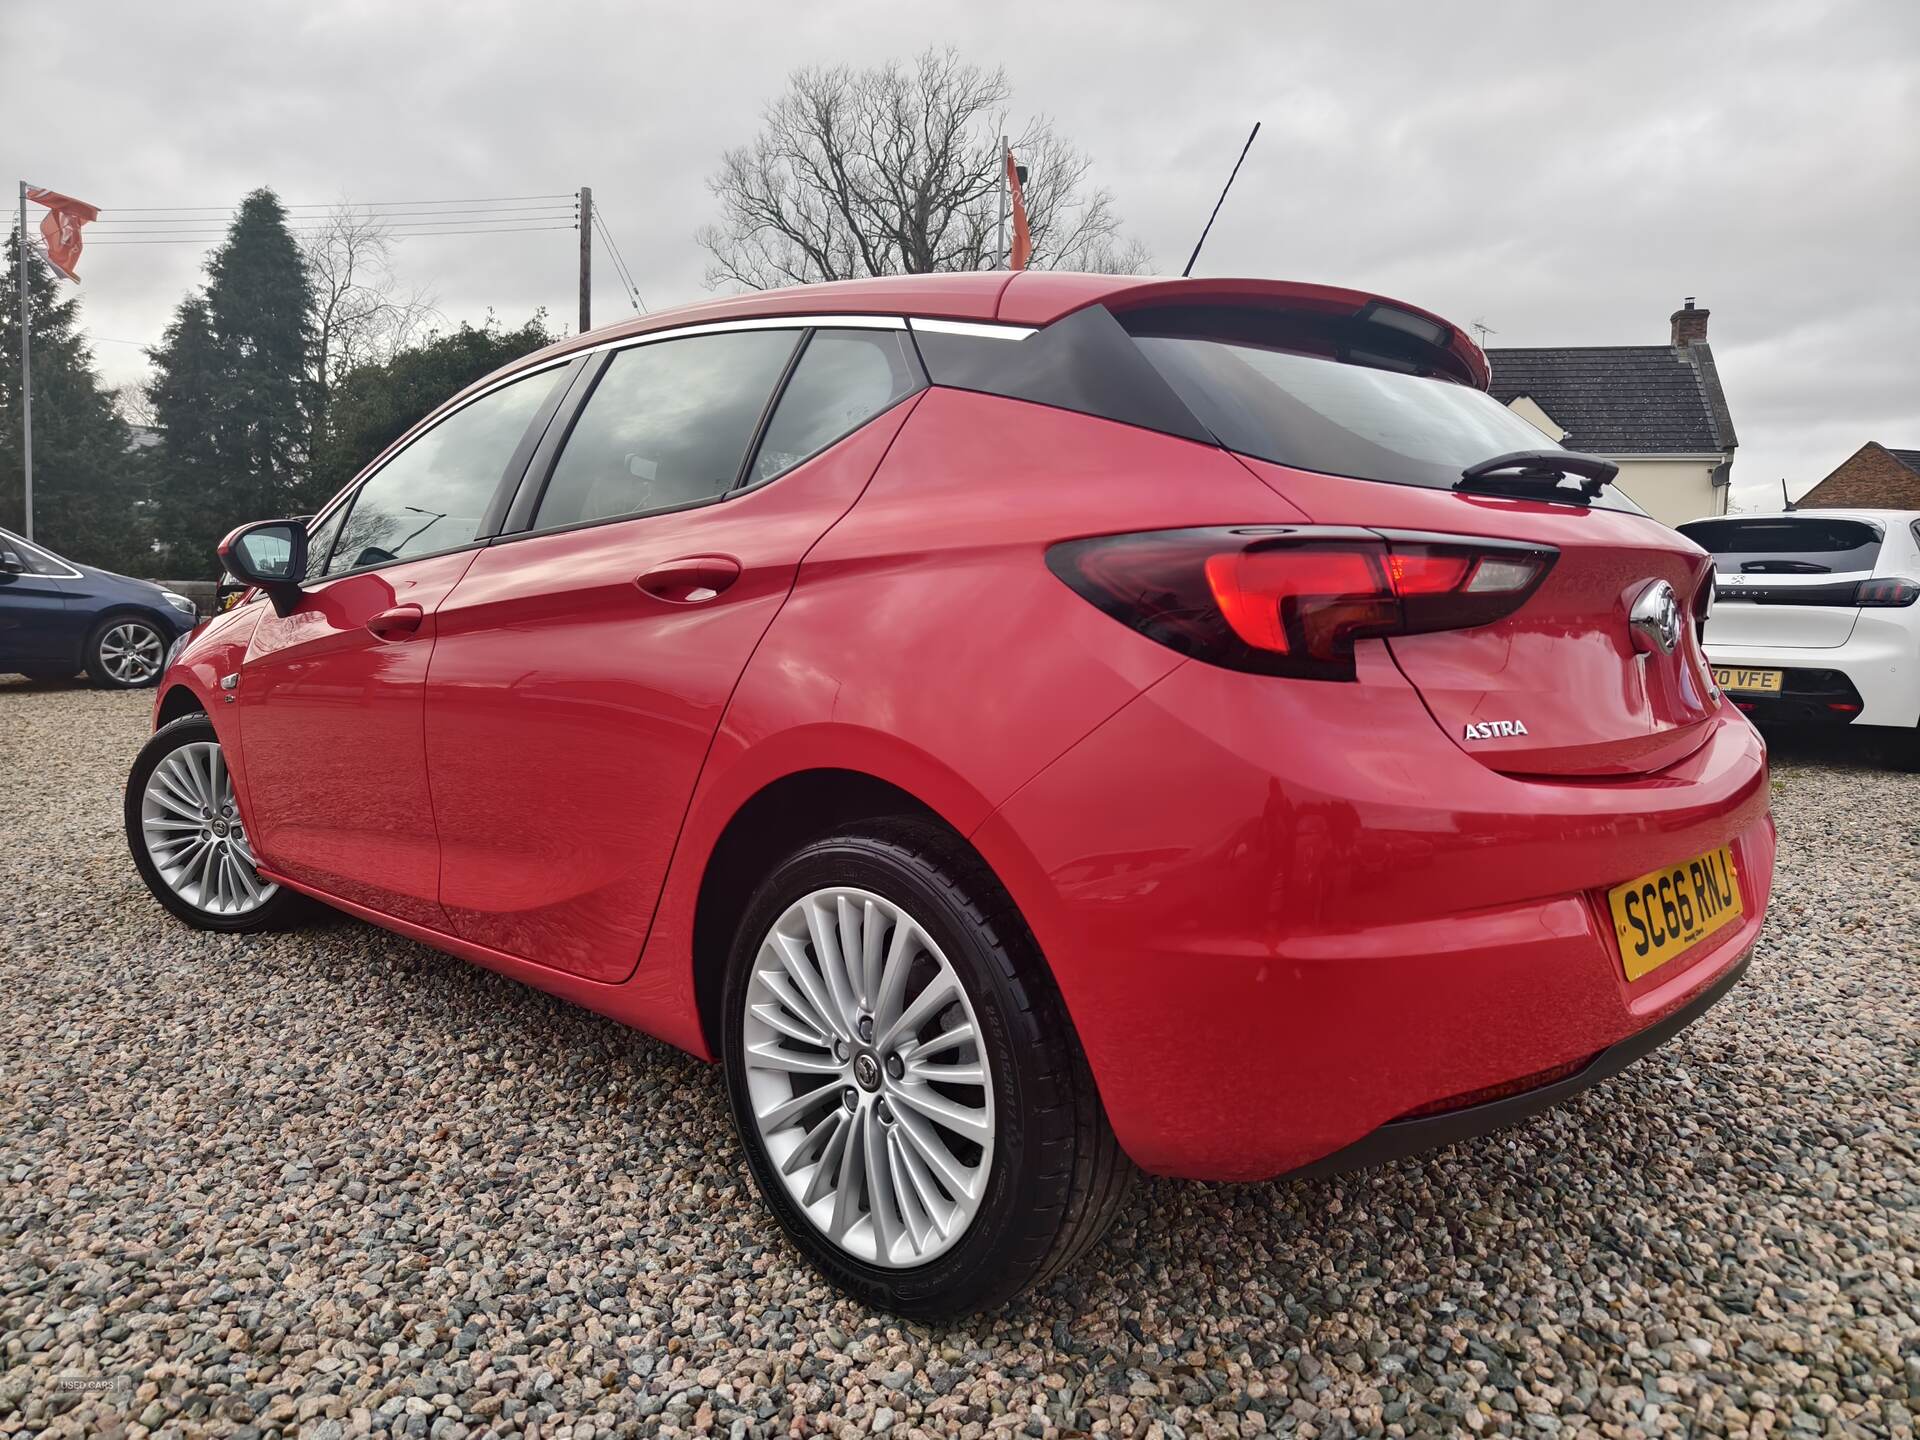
[(187, 836), (913, 1103), (125, 652)]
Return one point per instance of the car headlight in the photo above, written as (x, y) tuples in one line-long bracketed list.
[(180, 603)]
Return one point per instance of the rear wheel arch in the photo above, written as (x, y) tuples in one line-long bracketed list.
[(771, 824), (775, 821)]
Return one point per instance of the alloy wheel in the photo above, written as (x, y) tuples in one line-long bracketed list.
[(866, 1078), (194, 835), (131, 652)]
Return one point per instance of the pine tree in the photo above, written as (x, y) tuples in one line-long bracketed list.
[(234, 369), (88, 486), (187, 378)]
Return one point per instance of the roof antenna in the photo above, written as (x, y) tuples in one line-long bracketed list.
[(1786, 500), (1218, 203), (1484, 330)]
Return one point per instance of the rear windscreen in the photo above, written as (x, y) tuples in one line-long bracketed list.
[(1316, 412), (1787, 545)]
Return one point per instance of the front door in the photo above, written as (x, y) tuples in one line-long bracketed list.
[(330, 695), (582, 669)]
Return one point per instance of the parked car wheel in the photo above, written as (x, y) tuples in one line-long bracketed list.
[(187, 837), (126, 652), (913, 1103)]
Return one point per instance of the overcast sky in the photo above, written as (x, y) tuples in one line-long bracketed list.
[(1563, 173)]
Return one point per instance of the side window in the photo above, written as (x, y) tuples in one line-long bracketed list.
[(320, 539), (669, 423), (432, 495), (845, 378)]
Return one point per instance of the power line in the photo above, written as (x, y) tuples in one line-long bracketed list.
[(332, 204), (398, 227), (505, 212), (398, 235), (620, 265)]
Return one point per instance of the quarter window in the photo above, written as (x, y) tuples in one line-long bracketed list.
[(432, 495), (843, 380), (668, 425)]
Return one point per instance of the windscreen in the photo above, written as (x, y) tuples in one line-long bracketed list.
[(1787, 545), (1318, 412)]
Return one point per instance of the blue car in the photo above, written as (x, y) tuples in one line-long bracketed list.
[(58, 618)]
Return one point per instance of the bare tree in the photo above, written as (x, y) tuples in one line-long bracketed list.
[(361, 315), (134, 404), (896, 171)]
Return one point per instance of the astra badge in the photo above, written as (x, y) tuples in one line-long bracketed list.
[(1493, 729)]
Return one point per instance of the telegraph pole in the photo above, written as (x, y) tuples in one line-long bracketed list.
[(26, 375), (586, 258)]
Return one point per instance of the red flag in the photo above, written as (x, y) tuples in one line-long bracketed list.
[(61, 227), (1021, 250)]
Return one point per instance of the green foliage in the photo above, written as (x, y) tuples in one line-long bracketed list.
[(233, 392), (88, 487), (372, 406)]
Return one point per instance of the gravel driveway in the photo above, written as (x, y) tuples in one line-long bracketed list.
[(333, 1182)]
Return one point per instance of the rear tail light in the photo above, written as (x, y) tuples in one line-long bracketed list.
[(1887, 591), (1292, 600)]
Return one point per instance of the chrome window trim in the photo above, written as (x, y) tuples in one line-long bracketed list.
[(980, 330), (66, 572), (754, 322)]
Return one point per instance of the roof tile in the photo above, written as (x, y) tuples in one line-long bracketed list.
[(1616, 399)]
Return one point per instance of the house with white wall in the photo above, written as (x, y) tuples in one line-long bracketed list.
[(1658, 411)]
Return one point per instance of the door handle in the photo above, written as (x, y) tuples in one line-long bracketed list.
[(691, 580), (398, 623)]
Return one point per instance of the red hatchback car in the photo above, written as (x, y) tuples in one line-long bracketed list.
[(1026, 726)]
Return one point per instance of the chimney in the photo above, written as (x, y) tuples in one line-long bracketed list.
[(1689, 324)]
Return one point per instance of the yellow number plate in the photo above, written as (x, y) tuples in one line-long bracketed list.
[(1762, 682), (1667, 910)]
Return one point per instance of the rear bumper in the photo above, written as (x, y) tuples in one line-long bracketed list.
[(1880, 661), (1398, 1139), (1284, 916)]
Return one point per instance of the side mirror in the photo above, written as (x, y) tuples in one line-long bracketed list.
[(271, 554), (11, 564)]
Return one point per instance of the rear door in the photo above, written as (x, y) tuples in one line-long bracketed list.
[(330, 695), (583, 662), (38, 626), (1786, 580)]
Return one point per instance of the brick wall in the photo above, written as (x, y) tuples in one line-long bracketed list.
[(1870, 479)]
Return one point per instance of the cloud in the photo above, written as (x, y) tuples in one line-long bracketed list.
[(1564, 174)]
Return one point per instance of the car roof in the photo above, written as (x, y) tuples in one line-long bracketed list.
[(1007, 297), (1897, 517)]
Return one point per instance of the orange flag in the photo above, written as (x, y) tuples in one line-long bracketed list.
[(1021, 250), (61, 227)]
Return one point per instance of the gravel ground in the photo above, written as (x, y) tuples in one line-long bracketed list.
[(333, 1182)]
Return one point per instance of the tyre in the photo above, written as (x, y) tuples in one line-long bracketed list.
[(912, 1100), (126, 652), (187, 837)]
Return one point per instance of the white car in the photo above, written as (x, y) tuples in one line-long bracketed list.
[(1814, 619)]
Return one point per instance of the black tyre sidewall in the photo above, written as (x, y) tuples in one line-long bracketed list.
[(975, 1271), (168, 738), (98, 671)]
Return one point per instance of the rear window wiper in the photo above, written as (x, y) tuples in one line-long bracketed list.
[(1784, 567), (1537, 475)]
